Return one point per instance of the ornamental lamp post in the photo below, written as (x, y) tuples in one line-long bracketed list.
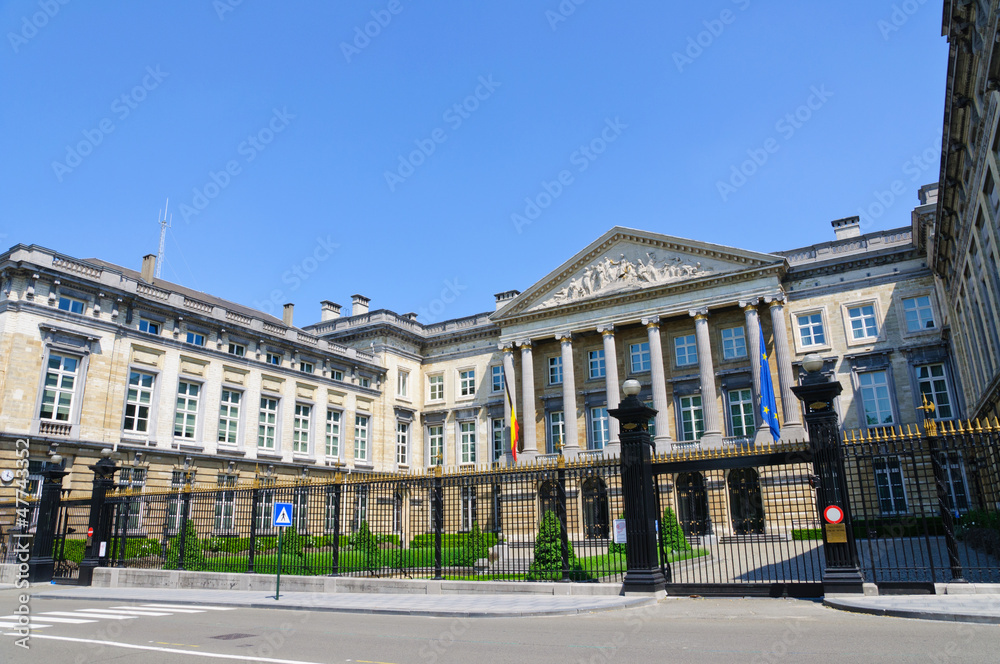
[(644, 574)]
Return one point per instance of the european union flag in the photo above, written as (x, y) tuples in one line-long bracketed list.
[(768, 405)]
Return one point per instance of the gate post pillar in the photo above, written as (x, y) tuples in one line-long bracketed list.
[(41, 567), (643, 574), (841, 573), (104, 474)]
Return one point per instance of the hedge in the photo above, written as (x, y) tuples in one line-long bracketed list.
[(458, 540)]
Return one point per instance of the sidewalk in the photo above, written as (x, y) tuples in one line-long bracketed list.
[(975, 608), (451, 605)]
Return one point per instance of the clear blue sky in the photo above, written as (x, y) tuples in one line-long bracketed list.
[(310, 117)]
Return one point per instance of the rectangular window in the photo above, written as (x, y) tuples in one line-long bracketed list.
[(60, 386), (229, 416), (273, 358), (875, 398), (149, 326), (364, 381), (435, 387), (810, 328), (239, 350), (402, 443), (196, 339), (555, 371), (175, 506), (692, 419), (468, 507), (467, 383), (138, 401), (686, 350), (300, 511), (330, 523), (131, 510), (734, 343), (862, 320), (307, 367), (954, 476), (71, 304), (496, 432), (186, 414), (595, 362), (435, 447), (468, 434), (403, 384), (934, 385), (919, 314), (267, 429), (557, 430), (360, 507), (496, 378), (741, 417), (361, 437), (599, 435), (301, 426), (225, 503), (265, 507), (889, 485), (639, 356), (333, 433), (337, 374)]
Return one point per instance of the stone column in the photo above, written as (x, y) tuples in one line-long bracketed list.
[(762, 435), (706, 370), (508, 384), (530, 450), (791, 409), (611, 387), (659, 380), (571, 440)]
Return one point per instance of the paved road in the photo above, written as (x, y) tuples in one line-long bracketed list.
[(674, 630)]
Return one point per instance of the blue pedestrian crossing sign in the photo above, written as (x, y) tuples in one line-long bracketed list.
[(282, 515)]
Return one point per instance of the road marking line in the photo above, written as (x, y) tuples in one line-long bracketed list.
[(56, 620), (12, 625), (200, 607), (82, 614), (192, 653), (126, 612), (173, 609)]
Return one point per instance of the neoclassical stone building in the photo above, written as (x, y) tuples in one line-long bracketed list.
[(180, 384)]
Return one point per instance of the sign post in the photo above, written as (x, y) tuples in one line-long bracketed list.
[(281, 518)]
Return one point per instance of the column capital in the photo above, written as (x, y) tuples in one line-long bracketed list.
[(699, 314), (651, 321), (606, 330), (523, 344), (564, 337), (507, 347), (775, 300), (748, 304)]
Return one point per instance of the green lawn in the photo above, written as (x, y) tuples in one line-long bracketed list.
[(614, 563)]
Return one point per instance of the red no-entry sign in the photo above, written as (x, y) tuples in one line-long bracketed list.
[(833, 514), (90, 532)]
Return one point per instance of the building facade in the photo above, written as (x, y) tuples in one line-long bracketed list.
[(185, 387)]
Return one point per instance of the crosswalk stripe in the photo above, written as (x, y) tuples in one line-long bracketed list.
[(83, 614), (165, 607), (203, 608), (126, 612), (56, 620), (10, 625)]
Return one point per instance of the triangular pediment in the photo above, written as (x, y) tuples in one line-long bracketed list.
[(624, 260)]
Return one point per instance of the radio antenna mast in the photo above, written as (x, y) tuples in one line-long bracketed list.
[(164, 223)]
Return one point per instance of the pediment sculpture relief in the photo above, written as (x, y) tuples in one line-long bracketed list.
[(611, 276)]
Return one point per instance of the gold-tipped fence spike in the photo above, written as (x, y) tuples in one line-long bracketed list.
[(996, 423), (979, 428)]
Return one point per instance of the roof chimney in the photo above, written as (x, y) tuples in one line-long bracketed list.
[(847, 227), (928, 194), (410, 316), (359, 305), (505, 297), (148, 267), (286, 315), (328, 310)]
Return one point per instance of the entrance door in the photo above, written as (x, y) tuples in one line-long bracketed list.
[(595, 508), (692, 504), (745, 504)]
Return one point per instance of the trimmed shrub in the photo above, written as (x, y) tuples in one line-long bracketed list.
[(365, 544), (194, 557), (476, 546), (292, 543), (450, 540), (547, 564), (73, 550), (802, 534), (673, 534)]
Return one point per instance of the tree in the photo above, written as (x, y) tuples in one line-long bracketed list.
[(547, 563), (673, 534), (365, 543), (476, 546), (194, 557)]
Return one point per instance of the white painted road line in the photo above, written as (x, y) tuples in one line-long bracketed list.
[(126, 612), (200, 607), (13, 625), (153, 607), (52, 619), (81, 614), (189, 653)]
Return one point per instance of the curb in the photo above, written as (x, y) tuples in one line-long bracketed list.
[(915, 614)]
